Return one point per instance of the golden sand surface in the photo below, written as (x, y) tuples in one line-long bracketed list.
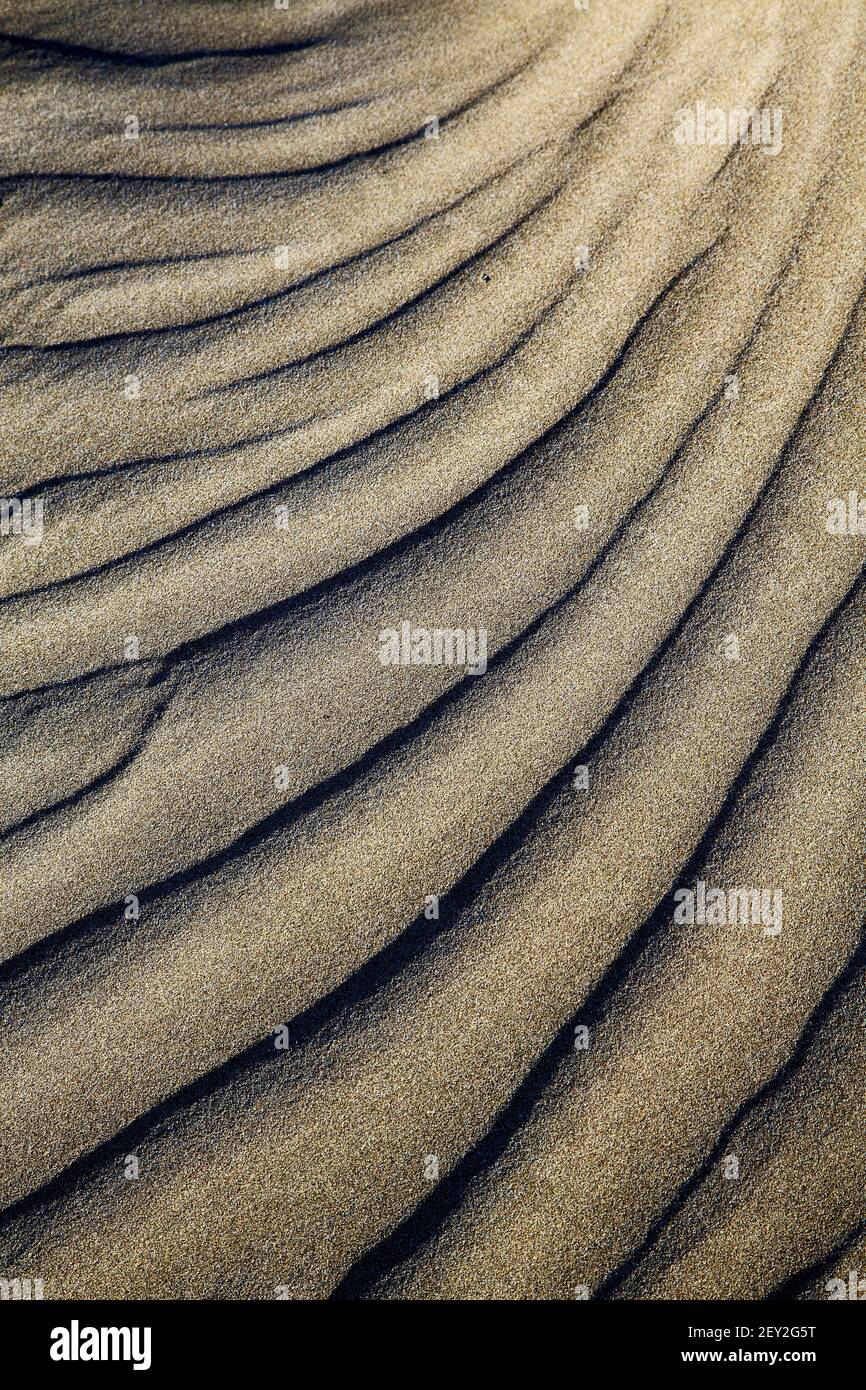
[(331, 977)]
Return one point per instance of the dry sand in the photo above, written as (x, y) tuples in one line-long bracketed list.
[(323, 977)]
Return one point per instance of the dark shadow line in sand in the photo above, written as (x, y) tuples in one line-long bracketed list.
[(151, 664), (795, 1286), (739, 151), (63, 277), (96, 784), (118, 58), (267, 122), (49, 485)]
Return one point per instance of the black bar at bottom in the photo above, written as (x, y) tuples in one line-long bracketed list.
[(66, 1338)]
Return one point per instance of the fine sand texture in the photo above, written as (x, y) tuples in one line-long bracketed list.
[(341, 341)]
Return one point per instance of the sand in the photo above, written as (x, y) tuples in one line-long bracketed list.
[(323, 977)]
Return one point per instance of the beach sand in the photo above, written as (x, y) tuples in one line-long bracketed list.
[(325, 976)]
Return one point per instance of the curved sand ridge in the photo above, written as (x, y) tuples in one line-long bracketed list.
[(294, 366)]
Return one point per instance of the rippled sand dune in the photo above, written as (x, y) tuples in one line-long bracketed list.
[(540, 327)]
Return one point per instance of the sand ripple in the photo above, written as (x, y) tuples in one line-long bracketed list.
[(324, 977)]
